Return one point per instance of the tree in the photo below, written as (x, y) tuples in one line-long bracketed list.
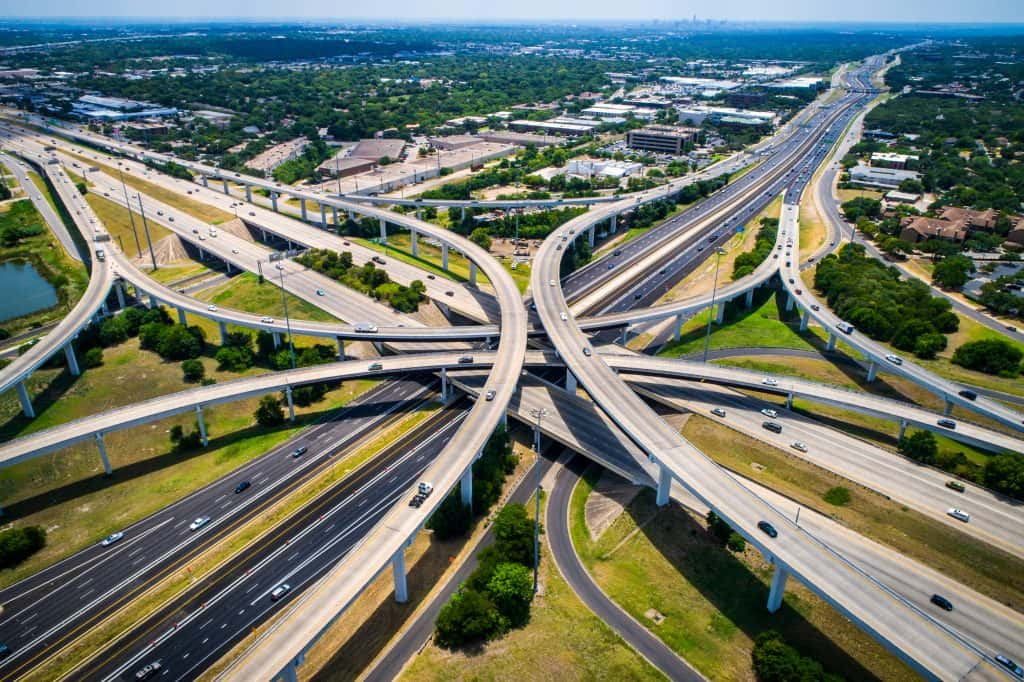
[(17, 544), (928, 345), (269, 412), (920, 446), (235, 358), (776, 661), (991, 356), (481, 237), (193, 371), (718, 527), (952, 272), (468, 617), (511, 590), (92, 358), (513, 534), (1005, 472)]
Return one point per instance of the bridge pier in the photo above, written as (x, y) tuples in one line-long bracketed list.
[(291, 405), (444, 385), (202, 425), (872, 371), (570, 382), (290, 672), (398, 570), (472, 274), (678, 328), (414, 239), (590, 236), (341, 348), (624, 336), (69, 353), (379, 347), (302, 205), (444, 257), (383, 231), (466, 487), (463, 217), (750, 298), (104, 310), (664, 485), (778, 588), (119, 290), (248, 193), (831, 342), (26, 402), (206, 181), (720, 313), (615, 223), (323, 216), (101, 446), (790, 301), (273, 202), (903, 428), (182, 318), (334, 209), (202, 254), (277, 339), (419, 213), (948, 407), (223, 332)]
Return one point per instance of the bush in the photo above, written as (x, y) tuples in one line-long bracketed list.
[(18, 544), (718, 527), (920, 446), (511, 590), (468, 617), (837, 496), (269, 412), (776, 661), (92, 358), (235, 358), (1005, 473), (193, 371), (736, 543), (991, 356)]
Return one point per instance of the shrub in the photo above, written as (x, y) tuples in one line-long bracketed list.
[(510, 588), (718, 527), (18, 544), (235, 358), (991, 356), (193, 371), (269, 413), (920, 446), (837, 496), (92, 358), (468, 617), (1005, 473), (736, 543), (776, 661)]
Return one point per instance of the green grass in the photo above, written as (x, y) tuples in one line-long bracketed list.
[(713, 600), (115, 218), (65, 491), (399, 246), (177, 272)]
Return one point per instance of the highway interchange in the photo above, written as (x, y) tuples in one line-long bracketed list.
[(367, 545)]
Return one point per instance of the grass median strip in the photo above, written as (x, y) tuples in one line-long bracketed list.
[(99, 638)]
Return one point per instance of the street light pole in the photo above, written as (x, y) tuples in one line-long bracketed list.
[(287, 321), (538, 414), (711, 311), (128, 206), (145, 226)]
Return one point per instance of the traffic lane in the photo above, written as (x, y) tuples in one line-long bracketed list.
[(193, 635), (55, 224), (156, 546), (922, 488)]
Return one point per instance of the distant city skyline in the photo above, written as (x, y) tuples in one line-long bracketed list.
[(880, 11)]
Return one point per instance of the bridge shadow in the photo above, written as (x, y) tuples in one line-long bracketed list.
[(134, 470), (736, 591)]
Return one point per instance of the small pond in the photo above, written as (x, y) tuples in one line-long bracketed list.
[(23, 290)]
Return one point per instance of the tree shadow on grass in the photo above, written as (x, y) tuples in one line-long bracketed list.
[(736, 592), (127, 472)]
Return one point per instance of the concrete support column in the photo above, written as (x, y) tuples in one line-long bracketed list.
[(202, 254), (26, 402), (590, 236), (334, 209), (463, 218), (103, 453), (570, 381), (323, 216), (206, 181), (153, 302), (383, 231), (291, 405), (414, 238), (104, 310), (379, 347), (182, 318), (290, 673), (277, 339), (119, 290), (790, 301), (903, 428), (472, 274), (872, 371), (444, 385), (504, 420), (789, 401), (536, 439), (750, 298), (778, 588), (273, 202), (226, 191), (677, 328), (805, 320), (302, 205), (624, 336), (444, 257), (720, 313), (248, 193), (466, 487), (202, 425), (69, 353), (351, 215), (227, 264), (831, 342), (398, 569), (664, 485), (615, 223), (948, 408), (341, 348), (223, 332)]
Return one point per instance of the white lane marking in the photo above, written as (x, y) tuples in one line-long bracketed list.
[(292, 556), (208, 621), (87, 593)]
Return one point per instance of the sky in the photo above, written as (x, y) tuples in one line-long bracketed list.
[(881, 11)]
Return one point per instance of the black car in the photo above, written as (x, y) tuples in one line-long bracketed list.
[(970, 395), (772, 426), (768, 529), (947, 423), (942, 602), (242, 486), (299, 452)]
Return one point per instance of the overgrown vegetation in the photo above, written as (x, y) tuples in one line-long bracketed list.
[(19, 222), (368, 279), (991, 356), (776, 661), (747, 262), (1003, 473), (18, 544)]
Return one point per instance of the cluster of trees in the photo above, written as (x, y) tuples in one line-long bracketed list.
[(991, 356), (996, 296), (305, 165), (748, 261), (18, 544), (154, 328), (874, 299), (368, 279), (452, 519), (776, 661), (497, 595), (534, 225), (724, 533), (1003, 472), (20, 221), (952, 272)]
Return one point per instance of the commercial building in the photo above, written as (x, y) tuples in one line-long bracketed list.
[(608, 169), (344, 167), (888, 178), (269, 159), (520, 139), (451, 142), (609, 110), (696, 115), (378, 148), (891, 160), (675, 140), (571, 127)]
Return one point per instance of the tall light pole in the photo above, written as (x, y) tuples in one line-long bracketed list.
[(538, 414), (287, 320), (145, 226), (128, 206), (711, 311)]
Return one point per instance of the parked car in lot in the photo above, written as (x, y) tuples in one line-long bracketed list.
[(959, 514)]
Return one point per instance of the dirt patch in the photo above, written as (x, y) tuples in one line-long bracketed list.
[(167, 251), (430, 315), (610, 496), (654, 616), (237, 228)]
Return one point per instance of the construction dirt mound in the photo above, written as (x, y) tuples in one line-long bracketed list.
[(237, 228), (167, 251)]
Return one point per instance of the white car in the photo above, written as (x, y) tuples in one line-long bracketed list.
[(235, 251), (279, 266), (768, 381), (267, 320), (894, 359), (551, 282), (959, 514), (111, 539), (771, 414), (799, 445), (280, 591), (563, 316), (199, 523), (212, 308)]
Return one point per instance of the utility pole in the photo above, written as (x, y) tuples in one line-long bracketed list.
[(711, 311), (538, 414), (145, 226), (287, 321), (128, 206)]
